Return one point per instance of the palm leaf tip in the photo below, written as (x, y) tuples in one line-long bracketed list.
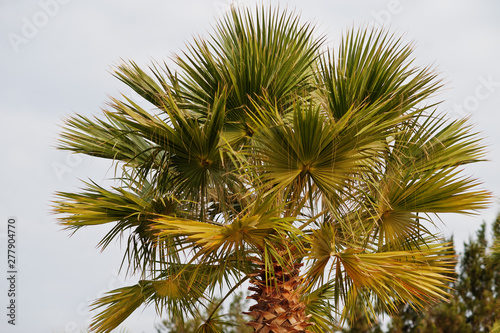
[(119, 304)]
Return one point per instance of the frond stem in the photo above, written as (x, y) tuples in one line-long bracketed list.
[(236, 286)]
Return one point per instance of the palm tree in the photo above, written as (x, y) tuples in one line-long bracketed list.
[(310, 174)]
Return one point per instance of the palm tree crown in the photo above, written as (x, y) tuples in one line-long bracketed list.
[(311, 174)]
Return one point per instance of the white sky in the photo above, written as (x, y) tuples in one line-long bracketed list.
[(62, 66)]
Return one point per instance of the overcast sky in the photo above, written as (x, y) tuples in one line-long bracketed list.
[(55, 58)]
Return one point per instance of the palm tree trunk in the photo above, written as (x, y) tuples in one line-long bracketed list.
[(278, 308)]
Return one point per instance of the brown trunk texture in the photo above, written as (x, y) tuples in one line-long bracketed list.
[(278, 308)]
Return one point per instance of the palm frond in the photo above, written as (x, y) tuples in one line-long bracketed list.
[(178, 290), (241, 235), (415, 277), (438, 192), (130, 211), (152, 89), (313, 151), (373, 66), (417, 274), (110, 139), (318, 305), (120, 304), (433, 143), (250, 53)]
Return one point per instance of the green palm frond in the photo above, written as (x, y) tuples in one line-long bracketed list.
[(438, 192), (422, 169), (318, 305), (323, 244), (312, 150), (251, 53), (97, 205), (433, 143), (120, 304), (373, 66), (153, 89), (243, 236), (110, 139), (179, 290), (196, 153), (417, 274), (421, 174), (415, 277), (131, 211)]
